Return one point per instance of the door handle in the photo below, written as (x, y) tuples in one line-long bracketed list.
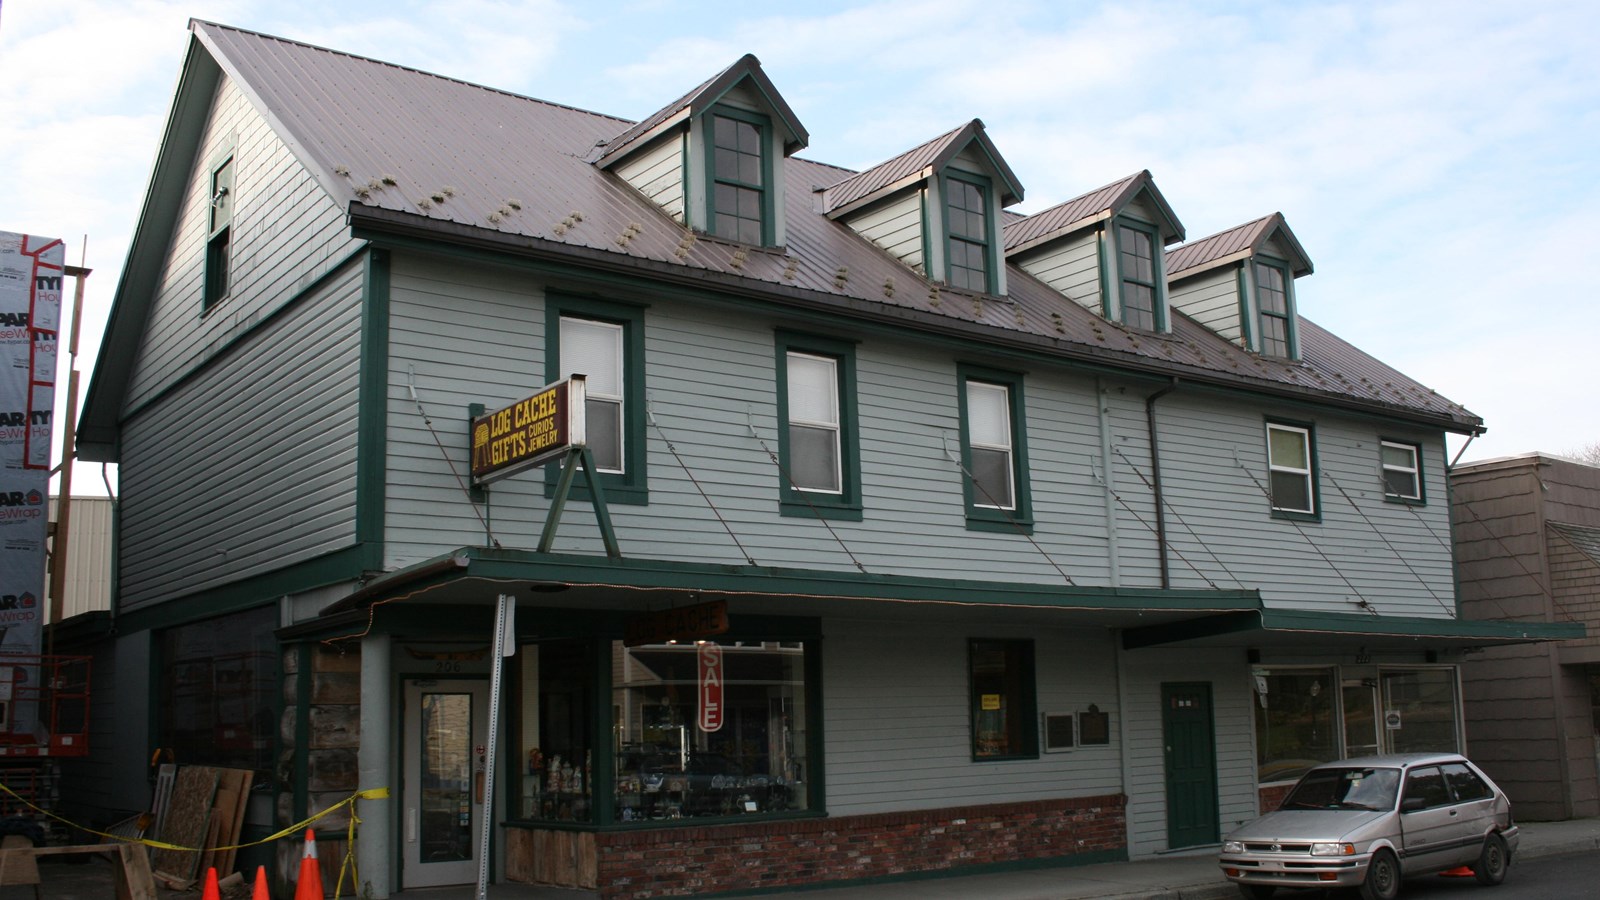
[(411, 825)]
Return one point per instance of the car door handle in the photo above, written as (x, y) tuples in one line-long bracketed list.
[(1452, 814)]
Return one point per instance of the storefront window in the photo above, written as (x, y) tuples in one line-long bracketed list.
[(556, 729), (712, 728), (1419, 710), (1296, 724), (1001, 678), (219, 697)]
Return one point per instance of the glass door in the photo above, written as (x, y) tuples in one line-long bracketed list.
[(446, 732), (1360, 718)]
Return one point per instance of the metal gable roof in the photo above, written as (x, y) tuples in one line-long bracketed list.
[(411, 153), (1236, 243), (915, 164), (1064, 218)]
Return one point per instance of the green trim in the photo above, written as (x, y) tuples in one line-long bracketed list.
[(631, 486), (1422, 488), (1102, 250), (1158, 292), (1291, 331), (372, 417), (987, 518), (991, 243), (217, 287), (768, 187), (1353, 629), (302, 731), (816, 743), (846, 505), (1027, 699), (1310, 428), (340, 565), (1247, 325)]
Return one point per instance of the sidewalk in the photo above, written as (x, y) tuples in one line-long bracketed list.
[(1188, 876)]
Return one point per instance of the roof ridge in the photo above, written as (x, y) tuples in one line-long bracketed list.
[(404, 68)]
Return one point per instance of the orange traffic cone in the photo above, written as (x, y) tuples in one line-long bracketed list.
[(211, 891), (260, 893), (310, 885)]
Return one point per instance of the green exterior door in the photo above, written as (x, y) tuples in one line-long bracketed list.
[(1191, 754)]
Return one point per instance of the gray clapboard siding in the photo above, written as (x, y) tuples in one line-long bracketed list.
[(899, 734), (657, 172), (1145, 671), (223, 480), (287, 232), (1212, 299), (1071, 267), (896, 226)]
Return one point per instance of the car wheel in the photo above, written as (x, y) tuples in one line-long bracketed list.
[(1383, 877), (1493, 860), (1257, 891)]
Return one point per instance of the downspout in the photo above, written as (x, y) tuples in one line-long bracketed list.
[(1155, 478)]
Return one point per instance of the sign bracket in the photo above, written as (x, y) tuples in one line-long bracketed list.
[(579, 457)]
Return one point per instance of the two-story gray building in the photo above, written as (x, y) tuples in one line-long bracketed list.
[(917, 534)]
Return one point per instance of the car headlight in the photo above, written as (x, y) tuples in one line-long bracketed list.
[(1331, 849), (1233, 846)]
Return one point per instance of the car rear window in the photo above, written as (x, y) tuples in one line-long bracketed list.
[(1467, 784)]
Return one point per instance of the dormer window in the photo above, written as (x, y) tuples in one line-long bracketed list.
[(1272, 310), (1136, 263), (741, 204), (967, 227)]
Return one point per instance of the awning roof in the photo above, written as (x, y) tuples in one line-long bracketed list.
[(1300, 628)]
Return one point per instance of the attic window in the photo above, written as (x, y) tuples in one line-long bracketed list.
[(740, 177), (219, 234), (967, 225), (1136, 263), (1272, 308)]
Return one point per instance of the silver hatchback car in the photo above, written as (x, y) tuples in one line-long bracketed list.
[(1370, 822)]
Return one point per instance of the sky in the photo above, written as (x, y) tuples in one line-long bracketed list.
[(1435, 159)]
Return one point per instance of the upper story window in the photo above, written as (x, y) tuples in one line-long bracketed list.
[(1402, 471), (970, 244), (219, 234), (993, 451), (604, 343), (740, 177), (817, 446), (1136, 264), (1291, 463), (1272, 310)]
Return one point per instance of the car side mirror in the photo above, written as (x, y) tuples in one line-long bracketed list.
[(1412, 804)]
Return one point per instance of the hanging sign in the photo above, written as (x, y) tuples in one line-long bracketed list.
[(528, 432), (683, 623), (710, 718)]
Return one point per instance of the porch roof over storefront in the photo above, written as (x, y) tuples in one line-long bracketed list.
[(1293, 628)]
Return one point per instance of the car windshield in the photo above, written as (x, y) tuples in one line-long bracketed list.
[(1351, 787)]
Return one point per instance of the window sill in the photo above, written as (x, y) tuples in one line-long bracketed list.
[(994, 522), (1404, 501), (837, 510), (1012, 758), (1296, 516)]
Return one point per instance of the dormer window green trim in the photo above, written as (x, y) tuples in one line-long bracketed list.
[(971, 263), (1141, 293), (740, 203), (219, 231), (1274, 329)]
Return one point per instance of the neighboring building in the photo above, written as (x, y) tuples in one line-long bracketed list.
[(1527, 531), (1018, 561), (87, 586)]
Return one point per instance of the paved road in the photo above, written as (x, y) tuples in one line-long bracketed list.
[(1572, 875)]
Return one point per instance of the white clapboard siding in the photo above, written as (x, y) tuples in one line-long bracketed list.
[(898, 717), (287, 232), (222, 479), (1212, 299), (896, 226), (1071, 267), (1144, 672), (657, 172)]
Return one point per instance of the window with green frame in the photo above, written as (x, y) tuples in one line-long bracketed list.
[(605, 343), (219, 234), (739, 176), (1002, 698), (1401, 462), (1138, 254), (1274, 319), (994, 452), (1292, 470), (818, 450), (969, 239)]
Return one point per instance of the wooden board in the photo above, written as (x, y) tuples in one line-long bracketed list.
[(188, 818), (237, 782)]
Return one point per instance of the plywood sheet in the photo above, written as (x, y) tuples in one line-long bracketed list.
[(188, 819)]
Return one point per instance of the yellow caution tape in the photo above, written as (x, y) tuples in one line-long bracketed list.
[(381, 793)]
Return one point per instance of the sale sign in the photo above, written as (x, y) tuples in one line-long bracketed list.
[(710, 718)]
